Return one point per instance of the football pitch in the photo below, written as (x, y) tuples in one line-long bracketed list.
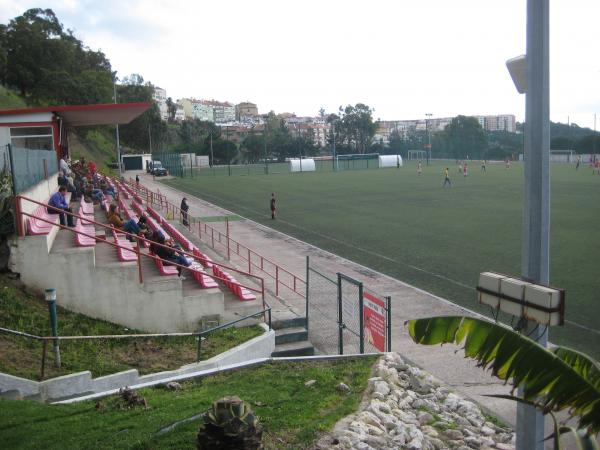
[(438, 239)]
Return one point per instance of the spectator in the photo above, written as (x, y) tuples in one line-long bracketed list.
[(58, 201), (115, 219), (64, 167), (169, 255), (137, 180), (184, 212)]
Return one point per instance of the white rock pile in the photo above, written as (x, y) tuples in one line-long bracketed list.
[(407, 408)]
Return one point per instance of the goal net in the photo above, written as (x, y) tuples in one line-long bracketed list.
[(417, 154), (562, 156), (357, 161)]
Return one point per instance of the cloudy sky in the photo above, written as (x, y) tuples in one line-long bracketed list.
[(404, 58)]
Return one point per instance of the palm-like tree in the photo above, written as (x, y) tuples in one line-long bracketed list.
[(551, 380)]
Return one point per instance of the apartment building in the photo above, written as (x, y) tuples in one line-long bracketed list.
[(246, 111), (160, 97)]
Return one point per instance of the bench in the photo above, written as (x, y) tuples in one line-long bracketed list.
[(203, 279), (164, 269), (36, 227), (80, 239), (233, 285), (124, 254)]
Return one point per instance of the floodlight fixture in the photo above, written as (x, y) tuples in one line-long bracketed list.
[(517, 67), (522, 298)]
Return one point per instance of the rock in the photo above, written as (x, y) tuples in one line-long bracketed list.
[(436, 443), (463, 447), (173, 386), (429, 431), (475, 421), (461, 421), (376, 441), (343, 387), (453, 434), (472, 442), (310, 382), (381, 387), (504, 446), (487, 431), (425, 418)]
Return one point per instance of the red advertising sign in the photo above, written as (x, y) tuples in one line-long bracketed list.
[(374, 321)]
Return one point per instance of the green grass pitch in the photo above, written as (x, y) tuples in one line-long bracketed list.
[(411, 228)]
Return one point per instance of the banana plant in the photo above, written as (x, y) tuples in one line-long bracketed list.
[(551, 380)]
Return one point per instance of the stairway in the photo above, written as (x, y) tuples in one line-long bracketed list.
[(291, 338)]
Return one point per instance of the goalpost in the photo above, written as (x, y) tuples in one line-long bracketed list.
[(357, 161), (417, 154), (562, 156)]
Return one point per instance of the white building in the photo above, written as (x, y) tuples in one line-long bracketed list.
[(160, 97)]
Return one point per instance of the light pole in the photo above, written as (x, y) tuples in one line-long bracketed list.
[(228, 150), (265, 143), (334, 160), (118, 144), (428, 136), (531, 76)]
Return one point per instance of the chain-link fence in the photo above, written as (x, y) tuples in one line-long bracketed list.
[(322, 311), (345, 317)]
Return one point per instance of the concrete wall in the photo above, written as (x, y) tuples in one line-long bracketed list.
[(111, 292), (82, 383)]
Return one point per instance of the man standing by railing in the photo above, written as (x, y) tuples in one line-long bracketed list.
[(184, 211)]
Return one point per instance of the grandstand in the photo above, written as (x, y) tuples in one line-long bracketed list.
[(103, 275)]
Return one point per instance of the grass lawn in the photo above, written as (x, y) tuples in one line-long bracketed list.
[(438, 239), (22, 357), (292, 414)]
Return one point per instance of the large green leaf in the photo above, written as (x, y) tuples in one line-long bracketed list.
[(568, 381)]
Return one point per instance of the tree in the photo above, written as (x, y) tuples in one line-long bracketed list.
[(171, 109), (356, 127), (137, 133), (49, 65), (551, 380), (254, 146), (465, 137)]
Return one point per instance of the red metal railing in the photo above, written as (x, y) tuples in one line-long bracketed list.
[(214, 237), (20, 214)]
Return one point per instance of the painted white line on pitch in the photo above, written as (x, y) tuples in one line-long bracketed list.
[(369, 252), (444, 300)]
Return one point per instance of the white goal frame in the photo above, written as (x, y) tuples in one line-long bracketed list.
[(417, 154), (562, 156)]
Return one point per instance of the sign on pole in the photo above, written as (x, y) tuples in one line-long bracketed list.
[(374, 313)]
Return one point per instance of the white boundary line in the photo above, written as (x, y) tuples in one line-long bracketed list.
[(448, 302)]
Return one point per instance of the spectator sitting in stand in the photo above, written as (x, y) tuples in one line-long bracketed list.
[(115, 219), (168, 254), (58, 201)]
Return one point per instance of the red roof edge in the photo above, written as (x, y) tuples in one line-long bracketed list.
[(63, 108)]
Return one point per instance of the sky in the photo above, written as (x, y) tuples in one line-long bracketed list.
[(403, 58)]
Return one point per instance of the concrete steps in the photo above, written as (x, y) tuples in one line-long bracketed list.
[(291, 338)]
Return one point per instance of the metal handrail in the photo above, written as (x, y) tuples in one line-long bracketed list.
[(266, 311), (137, 250), (162, 200)]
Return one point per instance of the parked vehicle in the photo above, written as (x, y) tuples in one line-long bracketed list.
[(156, 168)]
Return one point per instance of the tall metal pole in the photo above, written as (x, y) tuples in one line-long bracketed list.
[(428, 137), (265, 142), (535, 253), (118, 144), (595, 137), (212, 158), (334, 160)]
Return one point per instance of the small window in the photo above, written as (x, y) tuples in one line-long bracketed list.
[(31, 131), (33, 138)]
